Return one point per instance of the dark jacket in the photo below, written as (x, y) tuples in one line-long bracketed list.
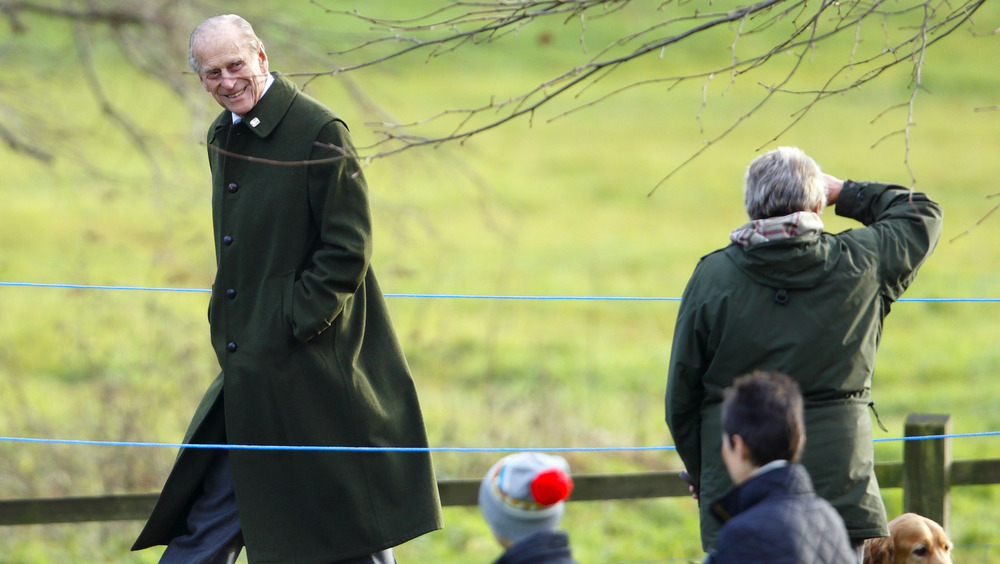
[(546, 547), (811, 307), (307, 350), (776, 518)]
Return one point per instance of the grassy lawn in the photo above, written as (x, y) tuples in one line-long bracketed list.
[(546, 208)]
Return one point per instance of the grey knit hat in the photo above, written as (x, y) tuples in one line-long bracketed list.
[(525, 493)]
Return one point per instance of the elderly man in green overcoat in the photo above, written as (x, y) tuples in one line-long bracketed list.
[(787, 296), (307, 350)]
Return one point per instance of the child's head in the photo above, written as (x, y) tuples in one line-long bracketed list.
[(761, 422), (523, 494)]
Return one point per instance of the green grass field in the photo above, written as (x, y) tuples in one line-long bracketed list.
[(550, 208)]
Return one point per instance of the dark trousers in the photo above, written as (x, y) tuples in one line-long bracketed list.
[(214, 534)]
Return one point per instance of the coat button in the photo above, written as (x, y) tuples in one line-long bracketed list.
[(233, 187), (227, 240), (231, 347), (231, 293)]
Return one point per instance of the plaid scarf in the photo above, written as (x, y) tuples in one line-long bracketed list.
[(777, 228)]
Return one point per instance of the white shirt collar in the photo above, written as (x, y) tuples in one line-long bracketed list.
[(267, 84), (773, 465)]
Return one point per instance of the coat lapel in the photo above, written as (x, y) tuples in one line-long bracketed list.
[(265, 116)]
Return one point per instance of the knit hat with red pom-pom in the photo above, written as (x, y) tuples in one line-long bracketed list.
[(524, 493)]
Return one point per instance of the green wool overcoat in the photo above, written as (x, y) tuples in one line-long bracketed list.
[(307, 350), (811, 307)]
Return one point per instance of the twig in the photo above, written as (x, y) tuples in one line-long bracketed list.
[(273, 162), (93, 14), (978, 223), (94, 82), (16, 144)]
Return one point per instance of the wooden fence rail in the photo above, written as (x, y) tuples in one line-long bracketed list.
[(926, 475)]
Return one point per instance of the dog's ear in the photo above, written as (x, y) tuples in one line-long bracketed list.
[(878, 550)]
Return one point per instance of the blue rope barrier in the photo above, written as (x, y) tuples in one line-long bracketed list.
[(444, 296), (932, 437), (528, 297), (421, 449), (99, 287), (81, 442)]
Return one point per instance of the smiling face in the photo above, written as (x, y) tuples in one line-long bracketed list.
[(229, 69)]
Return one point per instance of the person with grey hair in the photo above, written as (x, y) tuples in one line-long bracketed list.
[(302, 334), (782, 182), (787, 296)]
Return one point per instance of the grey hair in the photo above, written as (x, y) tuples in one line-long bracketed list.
[(250, 39), (781, 182)]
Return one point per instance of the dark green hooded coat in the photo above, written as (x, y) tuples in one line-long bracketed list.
[(307, 350), (811, 307)]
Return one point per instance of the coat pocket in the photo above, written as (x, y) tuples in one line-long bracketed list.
[(286, 288)]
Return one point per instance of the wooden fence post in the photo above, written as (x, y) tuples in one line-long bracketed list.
[(927, 467)]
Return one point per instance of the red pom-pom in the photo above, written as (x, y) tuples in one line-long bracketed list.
[(551, 486)]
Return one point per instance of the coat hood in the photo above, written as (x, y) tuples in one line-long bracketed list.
[(794, 263)]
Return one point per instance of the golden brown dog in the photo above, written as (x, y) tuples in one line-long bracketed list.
[(912, 539)]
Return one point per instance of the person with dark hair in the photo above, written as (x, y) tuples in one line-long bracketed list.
[(772, 516), (787, 296), (308, 353)]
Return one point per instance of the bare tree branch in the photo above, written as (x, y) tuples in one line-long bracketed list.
[(20, 146), (771, 40), (94, 82), (116, 16), (800, 26), (770, 92), (978, 223), (529, 102), (272, 162)]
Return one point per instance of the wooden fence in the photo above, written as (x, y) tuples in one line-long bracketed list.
[(926, 475)]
